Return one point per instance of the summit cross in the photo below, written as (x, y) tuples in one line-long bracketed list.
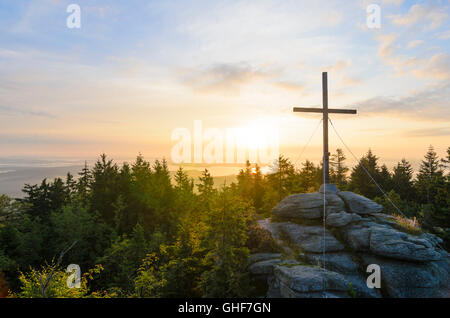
[(325, 111)]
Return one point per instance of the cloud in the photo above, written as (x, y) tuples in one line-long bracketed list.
[(437, 67), (223, 77), (350, 81), (338, 66), (415, 43), (431, 17), (12, 110), (394, 2), (428, 132), (100, 11), (431, 103), (290, 86), (444, 35), (32, 14), (387, 42)]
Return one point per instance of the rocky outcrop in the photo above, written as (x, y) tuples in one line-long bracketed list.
[(307, 206), (309, 238), (359, 204), (307, 282), (339, 262), (357, 234), (412, 280), (386, 241), (342, 219)]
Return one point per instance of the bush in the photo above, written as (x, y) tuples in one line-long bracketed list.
[(260, 241)]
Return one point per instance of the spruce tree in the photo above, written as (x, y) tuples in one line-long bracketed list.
[(338, 169)]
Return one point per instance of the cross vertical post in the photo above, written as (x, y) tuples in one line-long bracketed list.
[(326, 154)]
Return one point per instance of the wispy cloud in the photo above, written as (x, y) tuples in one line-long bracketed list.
[(428, 132), (431, 103), (438, 67), (13, 110), (427, 15), (290, 86), (414, 43), (394, 2), (223, 77), (434, 67)]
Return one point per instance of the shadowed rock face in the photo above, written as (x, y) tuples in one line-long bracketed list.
[(412, 280), (357, 235), (305, 281), (342, 219), (310, 238)]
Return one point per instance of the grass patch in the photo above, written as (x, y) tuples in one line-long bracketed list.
[(410, 226)]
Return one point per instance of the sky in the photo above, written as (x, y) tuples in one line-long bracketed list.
[(135, 71)]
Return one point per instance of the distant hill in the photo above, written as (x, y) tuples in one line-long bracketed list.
[(13, 178), (218, 180)]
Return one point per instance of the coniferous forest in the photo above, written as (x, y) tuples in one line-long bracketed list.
[(136, 232)]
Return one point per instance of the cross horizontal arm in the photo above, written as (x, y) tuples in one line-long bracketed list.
[(320, 110)]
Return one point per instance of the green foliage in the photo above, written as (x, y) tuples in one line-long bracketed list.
[(123, 258), (51, 281), (351, 291), (228, 256), (260, 241), (338, 169), (360, 182), (158, 237)]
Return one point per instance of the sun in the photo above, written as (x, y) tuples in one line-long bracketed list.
[(257, 134)]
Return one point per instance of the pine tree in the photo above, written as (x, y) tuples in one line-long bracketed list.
[(84, 182), (338, 169), (257, 188), (182, 181), (385, 179), (429, 175), (310, 177), (402, 180), (244, 179), (360, 182), (105, 188), (228, 256), (284, 181), (445, 162)]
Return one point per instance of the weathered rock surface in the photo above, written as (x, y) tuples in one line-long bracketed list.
[(338, 262), (306, 281), (357, 235), (307, 205), (359, 204), (264, 267), (412, 280), (310, 238), (386, 241), (395, 244), (342, 218)]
